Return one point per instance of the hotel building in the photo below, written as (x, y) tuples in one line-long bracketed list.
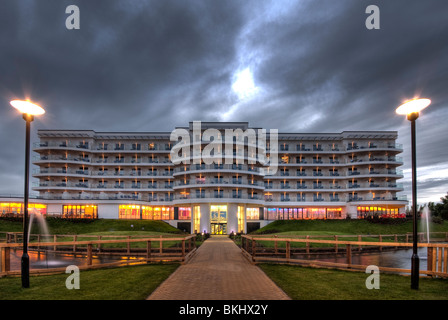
[(122, 175)]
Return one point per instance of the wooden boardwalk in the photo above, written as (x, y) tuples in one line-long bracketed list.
[(218, 271)]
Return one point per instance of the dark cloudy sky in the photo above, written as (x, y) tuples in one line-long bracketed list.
[(296, 66)]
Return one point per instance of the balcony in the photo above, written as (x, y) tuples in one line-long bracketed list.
[(211, 168)]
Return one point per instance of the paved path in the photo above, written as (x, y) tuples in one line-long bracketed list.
[(218, 271)]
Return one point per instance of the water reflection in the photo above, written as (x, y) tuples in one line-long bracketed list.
[(42, 260), (392, 259)]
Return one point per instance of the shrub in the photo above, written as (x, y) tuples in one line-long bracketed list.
[(378, 219)]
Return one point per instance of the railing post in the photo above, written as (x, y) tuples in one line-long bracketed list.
[(288, 252), (254, 250), (148, 250), (336, 245), (359, 239), (55, 239), (75, 237), (439, 258), (349, 254), (307, 245), (434, 259), (99, 244), (429, 259), (275, 245), (183, 250), (161, 245), (89, 254), (5, 259), (128, 245), (445, 260), (380, 239)]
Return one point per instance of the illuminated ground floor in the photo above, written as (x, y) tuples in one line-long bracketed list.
[(208, 217)]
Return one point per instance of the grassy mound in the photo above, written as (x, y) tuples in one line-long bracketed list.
[(300, 227), (64, 226)]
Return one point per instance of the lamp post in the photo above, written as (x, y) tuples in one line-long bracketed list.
[(411, 109), (28, 110)]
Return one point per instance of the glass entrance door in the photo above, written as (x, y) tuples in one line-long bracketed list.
[(218, 219), (218, 228)]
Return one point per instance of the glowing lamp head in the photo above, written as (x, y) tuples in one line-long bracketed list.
[(27, 107), (412, 107)]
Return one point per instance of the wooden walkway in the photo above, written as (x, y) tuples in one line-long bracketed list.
[(218, 271)]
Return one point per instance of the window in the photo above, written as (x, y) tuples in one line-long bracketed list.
[(300, 159), (236, 179), (197, 218), (218, 214), (152, 184), (284, 184), (334, 172), (184, 213), (13, 208), (200, 193), (136, 146), (301, 185), (129, 212), (80, 211), (152, 197), (268, 184), (152, 146), (218, 193), (252, 213), (240, 219), (284, 159)]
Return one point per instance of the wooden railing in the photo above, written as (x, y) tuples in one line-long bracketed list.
[(149, 253), (437, 253)]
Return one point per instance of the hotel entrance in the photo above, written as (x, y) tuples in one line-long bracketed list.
[(218, 228), (218, 219)]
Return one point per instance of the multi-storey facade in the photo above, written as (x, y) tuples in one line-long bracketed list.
[(132, 176)]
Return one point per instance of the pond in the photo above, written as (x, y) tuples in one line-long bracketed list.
[(42, 260), (392, 259)]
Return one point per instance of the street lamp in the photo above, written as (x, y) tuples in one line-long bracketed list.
[(28, 110), (411, 109)]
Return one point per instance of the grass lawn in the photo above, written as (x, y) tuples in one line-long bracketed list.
[(364, 227), (125, 283), (294, 228), (62, 226), (306, 283)]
